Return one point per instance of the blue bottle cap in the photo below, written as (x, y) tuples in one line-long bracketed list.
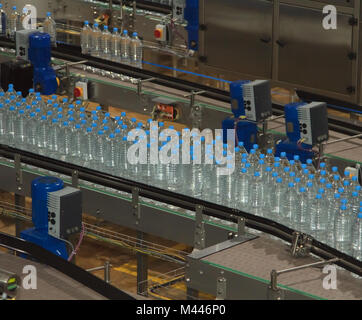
[(340, 190), (334, 169), (322, 180), (354, 178), (276, 164), (94, 125), (337, 196), (311, 176), (274, 174), (95, 25), (309, 184), (14, 7), (322, 165), (112, 136), (255, 146), (268, 169), (125, 32), (243, 170), (269, 151), (89, 129), (323, 172), (292, 174), (257, 174), (346, 183), (318, 196), (117, 131), (100, 132), (283, 154), (86, 22), (135, 34), (123, 114), (297, 180), (309, 161), (262, 156), (55, 120), (43, 117), (321, 190), (115, 30), (302, 189), (343, 208), (344, 201), (354, 194), (83, 121), (261, 162), (358, 188), (105, 28), (329, 186), (247, 165), (296, 158), (292, 162), (346, 173), (335, 177), (32, 114), (21, 111), (359, 216), (286, 169), (305, 171), (49, 14), (252, 151), (65, 123), (279, 180), (290, 184), (77, 126), (12, 108), (241, 144)]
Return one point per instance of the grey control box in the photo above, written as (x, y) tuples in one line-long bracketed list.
[(64, 212), (257, 100), (22, 43), (313, 123)]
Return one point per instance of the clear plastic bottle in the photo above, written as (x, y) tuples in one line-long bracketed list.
[(20, 129), (357, 238), (276, 201), (116, 45), (125, 48), (100, 150), (88, 146), (3, 21), (343, 231), (284, 162), (55, 137), (310, 166), (13, 24), (255, 199), (43, 142), (319, 219), (290, 205), (22, 17), (242, 189), (86, 38), (333, 210), (3, 123), (96, 40), (301, 217), (136, 51), (111, 160), (106, 43), (11, 116), (50, 27), (31, 133)]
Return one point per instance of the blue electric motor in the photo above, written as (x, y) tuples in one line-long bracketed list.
[(45, 80), (39, 234), (290, 145)]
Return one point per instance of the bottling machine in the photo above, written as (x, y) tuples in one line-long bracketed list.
[(190, 77)]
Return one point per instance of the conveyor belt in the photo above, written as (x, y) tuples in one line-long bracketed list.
[(255, 259)]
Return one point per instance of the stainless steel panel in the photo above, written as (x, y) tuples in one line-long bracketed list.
[(311, 56), (238, 35)]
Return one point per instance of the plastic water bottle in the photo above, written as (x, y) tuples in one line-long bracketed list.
[(43, 131), (332, 209), (319, 219), (242, 188), (11, 116), (255, 198), (22, 17), (3, 21), (125, 48), (343, 230), (55, 137), (354, 204), (357, 238), (310, 166), (116, 45), (301, 216), (136, 51), (50, 27), (276, 201), (290, 205), (31, 132), (13, 22), (100, 150), (86, 38), (20, 129), (96, 40), (88, 146), (3, 124), (269, 158), (111, 159), (106, 43)]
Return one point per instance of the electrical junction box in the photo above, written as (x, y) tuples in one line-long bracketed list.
[(64, 212), (81, 90), (22, 43), (313, 123), (178, 10), (161, 33), (257, 100)]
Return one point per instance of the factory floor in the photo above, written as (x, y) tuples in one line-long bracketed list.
[(94, 253)]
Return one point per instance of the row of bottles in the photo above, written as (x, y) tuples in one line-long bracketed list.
[(15, 22), (115, 46), (315, 200)]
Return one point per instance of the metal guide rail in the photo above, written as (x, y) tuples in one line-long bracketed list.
[(201, 207)]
